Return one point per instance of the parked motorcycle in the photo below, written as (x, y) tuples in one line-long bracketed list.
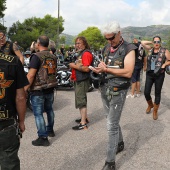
[(63, 76), (26, 69)]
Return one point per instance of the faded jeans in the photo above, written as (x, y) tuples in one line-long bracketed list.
[(113, 109), (41, 104)]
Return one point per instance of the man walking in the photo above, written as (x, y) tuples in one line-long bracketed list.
[(117, 68)]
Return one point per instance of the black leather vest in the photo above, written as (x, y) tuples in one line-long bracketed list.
[(159, 60), (117, 59), (80, 76)]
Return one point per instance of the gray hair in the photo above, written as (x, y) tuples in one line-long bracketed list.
[(112, 27)]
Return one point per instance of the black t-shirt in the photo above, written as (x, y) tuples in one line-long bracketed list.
[(12, 78), (36, 63), (139, 55)]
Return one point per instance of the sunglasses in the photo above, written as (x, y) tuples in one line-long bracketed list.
[(156, 42), (112, 38)]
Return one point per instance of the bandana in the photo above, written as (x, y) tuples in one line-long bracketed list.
[(112, 50)]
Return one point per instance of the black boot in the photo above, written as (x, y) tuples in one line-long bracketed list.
[(109, 166), (120, 147)]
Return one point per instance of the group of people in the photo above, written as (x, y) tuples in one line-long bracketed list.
[(121, 69), (123, 60)]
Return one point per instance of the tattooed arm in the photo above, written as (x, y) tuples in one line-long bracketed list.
[(18, 53)]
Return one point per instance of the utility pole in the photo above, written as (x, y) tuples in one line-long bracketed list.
[(58, 38)]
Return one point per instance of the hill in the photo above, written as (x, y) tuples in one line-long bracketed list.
[(130, 32), (69, 39), (146, 32)]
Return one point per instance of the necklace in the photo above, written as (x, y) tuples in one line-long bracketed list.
[(112, 50)]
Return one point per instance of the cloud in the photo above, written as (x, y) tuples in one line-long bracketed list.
[(80, 14)]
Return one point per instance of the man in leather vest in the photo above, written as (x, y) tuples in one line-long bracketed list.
[(118, 68), (12, 110), (80, 76), (42, 79), (9, 48)]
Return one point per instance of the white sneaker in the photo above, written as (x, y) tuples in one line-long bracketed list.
[(137, 95), (130, 96)]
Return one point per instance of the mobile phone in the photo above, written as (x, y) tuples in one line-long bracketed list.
[(113, 67)]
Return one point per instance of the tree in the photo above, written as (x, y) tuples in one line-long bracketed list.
[(2, 9), (94, 37), (62, 39), (28, 31)]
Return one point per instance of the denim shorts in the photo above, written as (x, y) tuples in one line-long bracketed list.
[(136, 75)]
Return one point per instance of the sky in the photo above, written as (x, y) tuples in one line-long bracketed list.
[(80, 14)]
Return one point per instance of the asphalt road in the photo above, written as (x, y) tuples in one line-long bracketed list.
[(147, 145)]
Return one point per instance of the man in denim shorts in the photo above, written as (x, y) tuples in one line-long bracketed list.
[(140, 63)]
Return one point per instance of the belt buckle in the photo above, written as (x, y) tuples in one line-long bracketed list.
[(4, 115)]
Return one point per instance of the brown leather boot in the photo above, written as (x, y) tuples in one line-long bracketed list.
[(155, 111), (150, 106)]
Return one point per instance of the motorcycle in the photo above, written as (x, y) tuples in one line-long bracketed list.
[(26, 69), (63, 76)]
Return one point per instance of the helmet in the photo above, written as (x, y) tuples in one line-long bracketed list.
[(96, 78), (167, 69)]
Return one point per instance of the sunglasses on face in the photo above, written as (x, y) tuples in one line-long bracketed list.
[(112, 38), (156, 42)]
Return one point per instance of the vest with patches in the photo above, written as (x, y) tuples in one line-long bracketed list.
[(116, 58), (46, 75), (159, 60)]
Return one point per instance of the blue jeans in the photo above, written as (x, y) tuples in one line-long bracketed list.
[(113, 109), (41, 104)]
